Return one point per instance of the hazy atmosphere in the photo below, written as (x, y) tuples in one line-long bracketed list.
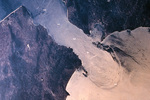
[(74, 50)]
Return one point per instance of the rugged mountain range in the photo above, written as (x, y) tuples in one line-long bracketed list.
[(41, 50), (32, 65)]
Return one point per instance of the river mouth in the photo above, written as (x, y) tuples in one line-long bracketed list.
[(106, 78)]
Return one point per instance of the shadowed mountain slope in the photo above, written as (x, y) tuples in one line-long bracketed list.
[(112, 15)]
